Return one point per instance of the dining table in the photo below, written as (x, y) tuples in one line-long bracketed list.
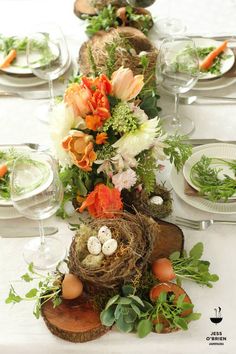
[(20, 331)]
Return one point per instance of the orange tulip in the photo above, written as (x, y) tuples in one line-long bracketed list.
[(80, 147), (125, 85), (103, 202), (93, 122), (77, 97)]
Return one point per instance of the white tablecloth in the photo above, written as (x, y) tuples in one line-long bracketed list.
[(20, 332)]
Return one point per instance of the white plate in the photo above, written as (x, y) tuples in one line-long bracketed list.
[(226, 64), (13, 81), (177, 182), (226, 153), (9, 212), (19, 66)]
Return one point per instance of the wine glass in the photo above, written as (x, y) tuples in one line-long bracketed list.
[(177, 71), (47, 57), (36, 193)]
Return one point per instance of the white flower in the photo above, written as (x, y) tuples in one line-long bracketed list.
[(61, 122), (131, 144), (124, 180)]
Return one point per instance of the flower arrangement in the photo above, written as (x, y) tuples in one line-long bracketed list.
[(106, 143)]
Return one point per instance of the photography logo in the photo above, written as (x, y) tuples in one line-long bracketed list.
[(218, 317), (216, 337)]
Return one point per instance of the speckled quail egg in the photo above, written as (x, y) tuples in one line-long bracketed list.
[(94, 245), (104, 234), (109, 247), (157, 200)]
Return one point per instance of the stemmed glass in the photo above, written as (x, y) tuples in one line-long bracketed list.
[(177, 71), (47, 56), (36, 193)]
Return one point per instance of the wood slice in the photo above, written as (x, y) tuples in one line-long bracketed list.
[(74, 320), (169, 240), (83, 7)]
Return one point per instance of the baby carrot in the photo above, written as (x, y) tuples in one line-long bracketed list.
[(208, 61), (3, 170), (8, 59)]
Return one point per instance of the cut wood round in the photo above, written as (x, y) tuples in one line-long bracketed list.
[(84, 7), (169, 239), (74, 320)]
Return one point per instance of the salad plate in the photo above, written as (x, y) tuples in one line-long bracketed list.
[(226, 153), (225, 61), (177, 181)]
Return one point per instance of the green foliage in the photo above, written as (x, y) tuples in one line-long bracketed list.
[(49, 288), (122, 120), (146, 170), (215, 68), (130, 312), (106, 152), (192, 267), (105, 19), (92, 62), (144, 22), (149, 99), (177, 151), (207, 179), (111, 60)]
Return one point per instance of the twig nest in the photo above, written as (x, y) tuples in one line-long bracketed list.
[(157, 200), (94, 245), (143, 202), (125, 257), (109, 247), (104, 234)]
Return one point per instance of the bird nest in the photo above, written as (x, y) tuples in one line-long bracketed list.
[(129, 43), (141, 201), (135, 235)]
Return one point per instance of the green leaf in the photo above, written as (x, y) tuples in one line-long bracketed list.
[(213, 277), (31, 267), (186, 306), (144, 328), (180, 300), (136, 309), (158, 327), (124, 326), (194, 316), (112, 301), (181, 323), (197, 251), (37, 311), (118, 311), (131, 316), (162, 297), (26, 277), (107, 316), (174, 256), (124, 300), (31, 293), (56, 301), (136, 299), (128, 290), (13, 297)]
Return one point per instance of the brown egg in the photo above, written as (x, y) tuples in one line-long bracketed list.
[(72, 287)]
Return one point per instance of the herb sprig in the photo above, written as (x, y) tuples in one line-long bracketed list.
[(207, 179), (48, 288), (191, 267)]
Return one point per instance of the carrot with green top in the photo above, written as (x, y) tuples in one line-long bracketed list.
[(208, 61), (8, 59), (3, 170)]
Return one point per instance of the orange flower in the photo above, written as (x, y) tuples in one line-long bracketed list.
[(103, 202), (77, 96), (102, 83), (99, 104), (101, 138), (93, 122), (80, 147)]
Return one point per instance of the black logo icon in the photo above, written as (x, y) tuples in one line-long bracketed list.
[(218, 317)]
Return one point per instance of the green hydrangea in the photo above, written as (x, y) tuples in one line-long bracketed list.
[(122, 120)]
